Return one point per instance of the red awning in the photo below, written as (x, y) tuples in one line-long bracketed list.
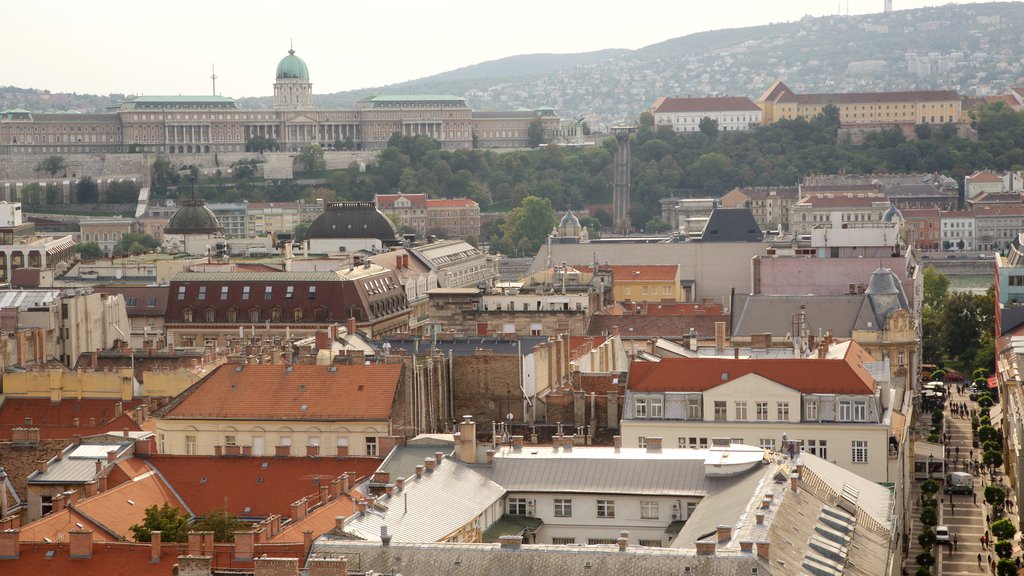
[(992, 383)]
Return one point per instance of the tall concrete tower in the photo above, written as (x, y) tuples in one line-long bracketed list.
[(620, 178), (888, 6)]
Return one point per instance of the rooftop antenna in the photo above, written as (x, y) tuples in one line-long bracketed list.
[(213, 76)]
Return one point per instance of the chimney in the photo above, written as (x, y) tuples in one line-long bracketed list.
[(653, 444), (623, 540), (517, 443), (382, 477), (43, 465), (155, 545), (510, 542), (96, 359), (90, 488), (80, 543), (567, 442), (759, 515), (344, 483), (800, 469), (490, 456), (719, 337), (58, 455), (126, 433), (419, 470), (764, 550), (385, 538), (111, 455), (275, 567), (10, 544), (793, 479), (429, 463), (747, 546), (361, 507), (307, 542), (194, 565), (323, 340), (350, 325), (58, 502), (72, 496), (724, 533), (195, 544), (439, 456), (705, 547), (207, 542), (400, 483), (467, 440), (297, 511), (617, 441), (390, 490), (339, 524), (327, 567)]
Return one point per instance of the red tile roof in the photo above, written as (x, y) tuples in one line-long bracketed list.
[(55, 419), (450, 203), (984, 176), (670, 309), (722, 104), (241, 482), (294, 392), (639, 273), (319, 521), (807, 375), (387, 201)]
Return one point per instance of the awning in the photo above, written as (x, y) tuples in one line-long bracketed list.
[(993, 382), (674, 528), (63, 244), (511, 526)]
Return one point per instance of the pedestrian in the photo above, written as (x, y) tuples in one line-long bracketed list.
[(975, 495), (979, 558), (952, 507), (956, 540), (982, 540)]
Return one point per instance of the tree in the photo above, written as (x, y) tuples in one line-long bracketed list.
[(929, 517), (1006, 566), (261, 144), (993, 458), (1003, 548), (300, 231), (528, 225), (88, 191), (170, 521), (52, 194), (221, 523), (936, 287), (1003, 529), (708, 126), (926, 538), (89, 251), (311, 156), (929, 487), (52, 165), (535, 133), (164, 175), (134, 243), (123, 192), (32, 193), (646, 120), (925, 559), (966, 317)]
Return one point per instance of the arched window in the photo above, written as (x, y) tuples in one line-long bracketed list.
[(254, 314), (232, 314), (211, 314), (298, 314), (275, 314), (186, 315)]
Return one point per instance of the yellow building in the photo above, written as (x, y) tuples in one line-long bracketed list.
[(57, 384), (863, 108), (644, 283), (297, 410)]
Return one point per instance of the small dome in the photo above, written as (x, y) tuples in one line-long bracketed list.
[(291, 66), (892, 214), (354, 220), (193, 218), (569, 220), (883, 282)]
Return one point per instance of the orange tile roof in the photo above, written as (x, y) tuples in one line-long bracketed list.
[(984, 176), (109, 559), (319, 521), (295, 392), (450, 203), (807, 375), (639, 273), (55, 419), (241, 482)]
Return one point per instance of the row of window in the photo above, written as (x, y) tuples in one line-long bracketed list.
[(192, 444), (268, 292), (298, 314), (858, 448), (848, 411), (649, 509)]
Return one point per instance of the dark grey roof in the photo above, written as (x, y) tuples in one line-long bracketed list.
[(193, 218), (465, 346), (759, 313), (731, 225), (885, 294), (354, 220), (893, 214), (914, 190)]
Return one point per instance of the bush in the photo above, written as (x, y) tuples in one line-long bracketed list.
[(995, 494), (983, 421), (993, 458), (937, 418), (925, 559), (930, 502), (939, 375), (985, 401), (923, 571), (979, 374), (1003, 529), (926, 538), (1004, 548), (929, 517), (990, 446), (929, 487), (987, 433), (933, 438), (1006, 567)]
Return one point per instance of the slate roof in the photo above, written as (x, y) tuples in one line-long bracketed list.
[(465, 346), (402, 461), (204, 482), (711, 104), (430, 507), (293, 392), (760, 313), (846, 375), (77, 464), (731, 225)]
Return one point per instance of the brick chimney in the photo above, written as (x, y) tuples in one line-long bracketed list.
[(327, 567), (80, 543), (276, 567), (195, 565), (323, 340), (747, 546), (623, 540), (57, 502), (764, 549), (207, 542), (390, 489), (72, 496), (195, 544), (510, 542), (297, 510), (724, 533), (400, 483), (793, 481), (759, 517), (490, 456), (517, 443), (382, 477), (350, 325), (111, 455), (439, 457), (419, 470), (429, 463), (339, 523), (653, 443), (244, 545), (705, 547), (42, 466), (10, 544), (90, 489), (154, 546)]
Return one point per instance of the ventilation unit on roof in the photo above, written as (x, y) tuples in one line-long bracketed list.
[(238, 368), (332, 369), (202, 480), (265, 465), (131, 502), (247, 510), (259, 480)]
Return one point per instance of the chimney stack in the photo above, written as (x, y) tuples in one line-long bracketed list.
[(623, 540), (111, 455), (724, 533), (490, 456), (653, 443), (80, 543), (10, 544), (747, 546), (705, 547), (400, 483), (385, 538), (759, 516), (510, 542), (339, 524), (517, 443), (467, 440), (617, 441), (419, 470), (429, 463), (328, 566), (793, 478), (764, 550), (438, 456), (154, 546)]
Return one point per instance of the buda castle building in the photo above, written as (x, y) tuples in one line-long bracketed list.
[(189, 125)]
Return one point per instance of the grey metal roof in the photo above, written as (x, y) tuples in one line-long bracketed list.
[(77, 465), (873, 498), (466, 346), (731, 225), (402, 461), (27, 298), (727, 498), (760, 313), (430, 507), (601, 471), (537, 559)]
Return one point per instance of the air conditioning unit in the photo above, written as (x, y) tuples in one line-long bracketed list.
[(531, 507), (676, 506), (675, 516)]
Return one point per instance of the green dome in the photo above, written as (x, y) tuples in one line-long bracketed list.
[(291, 66), (193, 217)]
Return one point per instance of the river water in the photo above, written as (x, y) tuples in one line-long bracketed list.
[(976, 283)]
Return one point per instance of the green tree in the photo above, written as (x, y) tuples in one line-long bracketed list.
[(1006, 566), (89, 251), (527, 226), (929, 517), (987, 433), (170, 521), (929, 487), (1003, 548), (708, 126), (33, 193), (995, 494), (300, 231), (535, 133), (261, 144), (925, 559), (123, 192), (88, 191), (134, 243), (164, 175), (311, 156), (926, 538), (966, 317), (52, 165), (646, 120), (52, 194), (993, 458), (1003, 529), (936, 287), (221, 523)]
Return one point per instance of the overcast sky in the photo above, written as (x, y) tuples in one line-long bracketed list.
[(154, 47)]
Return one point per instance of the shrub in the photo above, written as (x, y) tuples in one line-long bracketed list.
[(1003, 529), (1006, 567), (923, 571), (933, 438), (995, 494), (929, 487), (926, 538), (987, 433), (929, 517), (939, 375), (993, 458), (1004, 548)]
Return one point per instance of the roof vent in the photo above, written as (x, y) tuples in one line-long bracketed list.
[(265, 465), (131, 502), (259, 480), (303, 408), (247, 509), (289, 370), (725, 376), (332, 369), (238, 368), (202, 480)]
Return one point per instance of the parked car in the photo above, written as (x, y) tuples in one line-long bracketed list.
[(959, 483), (942, 534)]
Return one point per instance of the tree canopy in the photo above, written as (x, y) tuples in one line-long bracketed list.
[(170, 521), (134, 243), (221, 523), (52, 165), (89, 250)]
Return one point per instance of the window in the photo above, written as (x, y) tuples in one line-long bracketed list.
[(641, 441), (254, 315), (657, 407), (223, 292), (342, 445), (202, 292), (297, 314), (649, 509), (45, 505), (860, 452), (211, 315), (817, 447), (286, 440), (230, 441), (245, 292), (900, 359), (313, 441), (783, 410), (563, 541), (720, 410), (606, 508), (640, 407), (741, 410), (289, 292), (371, 445), (186, 315), (762, 410), (151, 303), (844, 410), (811, 410), (650, 543), (696, 443), (563, 508), (190, 445), (312, 292), (181, 293), (600, 541), (515, 507), (232, 314), (268, 292), (860, 411), (767, 443)]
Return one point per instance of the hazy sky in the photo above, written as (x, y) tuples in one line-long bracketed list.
[(167, 47)]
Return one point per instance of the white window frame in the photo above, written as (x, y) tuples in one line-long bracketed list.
[(859, 451), (860, 411), (649, 509), (657, 407), (640, 407), (721, 411), (761, 409), (563, 507), (845, 410), (811, 409), (371, 446), (606, 508), (782, 411)]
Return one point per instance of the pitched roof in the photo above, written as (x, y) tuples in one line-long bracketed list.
[(109, 558), (731, 225), (55, 420), (646, 326), (319, 521), (807, 375), (639, 272), (141, 300), (841, 200), (719, 104), (984, 176), (208, 482), (450, 203), (387, 201), (870, 97), (292, 392), (762, 313)]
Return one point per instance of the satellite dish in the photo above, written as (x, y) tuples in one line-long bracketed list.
[(508, 416)]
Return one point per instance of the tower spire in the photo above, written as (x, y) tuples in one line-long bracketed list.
[(213, 76), (291, 46)]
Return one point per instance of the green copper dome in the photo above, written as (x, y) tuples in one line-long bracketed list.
[(291, 66), (193, 217)]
